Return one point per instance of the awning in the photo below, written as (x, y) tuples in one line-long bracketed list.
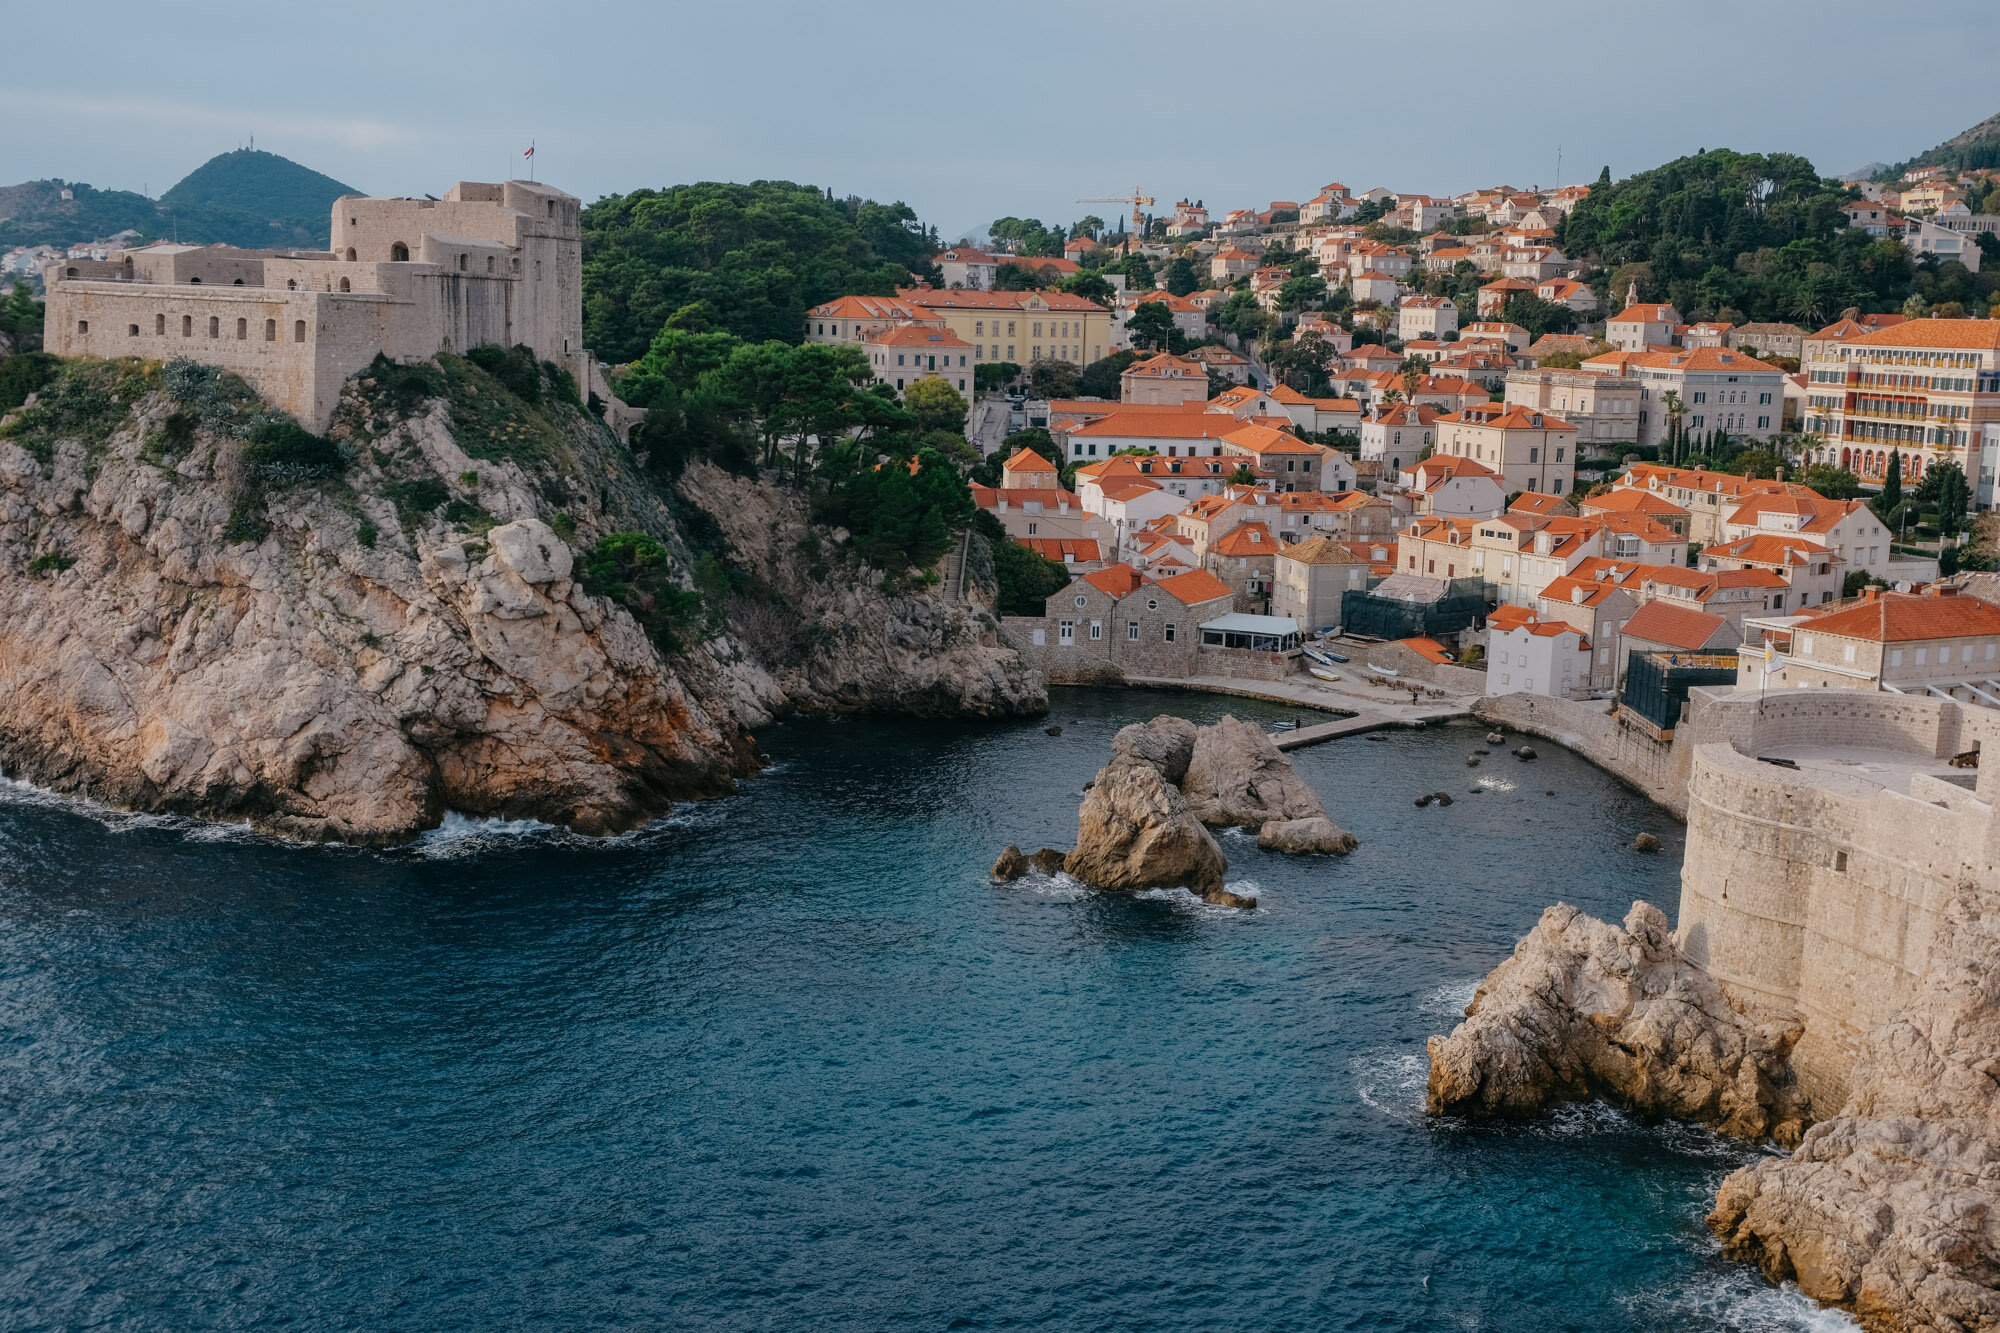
[(1240, 623)]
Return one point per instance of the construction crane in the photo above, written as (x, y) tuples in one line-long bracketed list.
[(1137, 199)]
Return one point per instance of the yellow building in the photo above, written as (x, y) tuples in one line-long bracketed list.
[(1022, 327)]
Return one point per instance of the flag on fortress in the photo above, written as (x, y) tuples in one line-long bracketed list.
[(530, 152)]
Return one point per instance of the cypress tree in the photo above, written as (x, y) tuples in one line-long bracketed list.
[(1891, 497)]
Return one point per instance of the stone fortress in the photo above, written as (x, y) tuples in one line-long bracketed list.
[(407, 278), (1814, 892)]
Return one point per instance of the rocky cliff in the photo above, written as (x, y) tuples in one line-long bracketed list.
[(204, 610), (1586, 1009), (1892, 1207)]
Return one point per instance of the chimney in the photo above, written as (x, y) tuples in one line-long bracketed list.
[(1870, 593)]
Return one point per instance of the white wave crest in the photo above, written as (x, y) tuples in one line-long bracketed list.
[(1392, 1082), (1450, 999)]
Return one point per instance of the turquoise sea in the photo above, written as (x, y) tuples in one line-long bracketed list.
[(788, 1061)]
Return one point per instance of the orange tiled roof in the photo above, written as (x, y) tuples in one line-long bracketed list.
[(1901, 618), (1080, 550), (959, 298), (1769, 548), (1027, 460), (917, 335), (1114, 580), (1195, 587), (1265, 440), (1675, 626), (1245, 539), (1633, 500), (1970, 334)]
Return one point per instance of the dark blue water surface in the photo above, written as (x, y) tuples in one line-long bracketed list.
[(789, 1061)]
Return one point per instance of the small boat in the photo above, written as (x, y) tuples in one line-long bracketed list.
[(1324, 673), (1335, 656), (1315, 655), (1383, 671)]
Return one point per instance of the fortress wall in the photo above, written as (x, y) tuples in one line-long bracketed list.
[(1817, 895)]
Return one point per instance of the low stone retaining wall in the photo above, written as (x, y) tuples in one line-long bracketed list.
[(1625, 751)]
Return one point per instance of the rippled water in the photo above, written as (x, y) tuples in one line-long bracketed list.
[(788, 1061)]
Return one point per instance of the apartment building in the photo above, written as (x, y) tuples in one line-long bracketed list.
[(1643, 326), (1601, 407), (1923, 389), (903, 354), (1532, 451), (1718, 390), (1023, 327)]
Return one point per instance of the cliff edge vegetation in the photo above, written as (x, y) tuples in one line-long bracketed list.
[(466, 595)]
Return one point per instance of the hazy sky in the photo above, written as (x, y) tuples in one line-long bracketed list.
[(968, 113)]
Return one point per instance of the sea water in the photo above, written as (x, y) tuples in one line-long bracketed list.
[(787, 1060)]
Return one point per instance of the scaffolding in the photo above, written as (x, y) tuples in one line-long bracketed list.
[(1408, 606), (1657, 684)]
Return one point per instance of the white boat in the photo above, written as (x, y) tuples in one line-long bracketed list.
[(1324, 673), (1383, 671), (1315, 655)]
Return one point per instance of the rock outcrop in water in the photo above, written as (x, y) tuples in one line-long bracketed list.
[(1134, 831), (1585, 1009), (1237, 778), (344, 650), (1892, 1207)]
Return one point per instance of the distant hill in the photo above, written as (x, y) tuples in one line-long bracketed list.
[(1976, 148), (35, 213), (255, 199), (248, 198)]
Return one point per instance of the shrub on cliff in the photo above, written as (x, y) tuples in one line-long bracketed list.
[(284, 451), (902, 513), (635, 570), (22, 374)]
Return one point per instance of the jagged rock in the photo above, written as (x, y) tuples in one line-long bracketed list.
[(1584, 1009), (1472, 763), (1525, 752), (1495, 738), (1167, 743), (1424, 800), (1315, 835), (1051, 731), (1892, 1208), (1135, 831), (289, 671), (1048, 861), (1011, 865), (1224, 898), (1646, 842), (1237, 777), (1442, 798)]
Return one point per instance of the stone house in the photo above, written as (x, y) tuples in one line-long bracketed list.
[(1163, 378), (903, 354), (1604, 409), (1398, 435), (1243, 558), (1942, 643), (1222, 361), (1114, 623), (1643, 327), (968, 266), (1426, 317), (1454, 487), (1532, 451), (1307, 581)]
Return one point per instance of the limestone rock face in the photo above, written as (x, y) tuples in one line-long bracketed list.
[(1586, 1009), (1892, 1207), (1316, 835), (1167, 743), (358, 668), (1134, 831), (1237, 778)]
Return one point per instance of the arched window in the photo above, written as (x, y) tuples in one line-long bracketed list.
[(351, 256), (552, 208), (516, 262), (461, 263), (270, 330), (238, 282), (131, 330), (160, 325), (69, 272), (83, 326), (194, 282), (298, 330), (187, 326), (399, 253), (242, 330), (346, 286), (489, 263), (214, 326)]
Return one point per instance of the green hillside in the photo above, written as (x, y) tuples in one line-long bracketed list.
[(254, 199), (35, 213), (1976, 148)]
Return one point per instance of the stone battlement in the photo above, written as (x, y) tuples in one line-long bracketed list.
[(1815, 890), (488, 264)]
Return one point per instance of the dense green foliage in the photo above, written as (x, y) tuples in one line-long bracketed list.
[(633, 568), (21, 320), (759, 255), (283, 450), (1971, 150), (22, 374), (35, 213), (898, 517), (1100, 379), (1026, 580), (1747, 237)]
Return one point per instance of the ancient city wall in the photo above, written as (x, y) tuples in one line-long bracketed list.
[(1817, 894), (1622, 749)]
